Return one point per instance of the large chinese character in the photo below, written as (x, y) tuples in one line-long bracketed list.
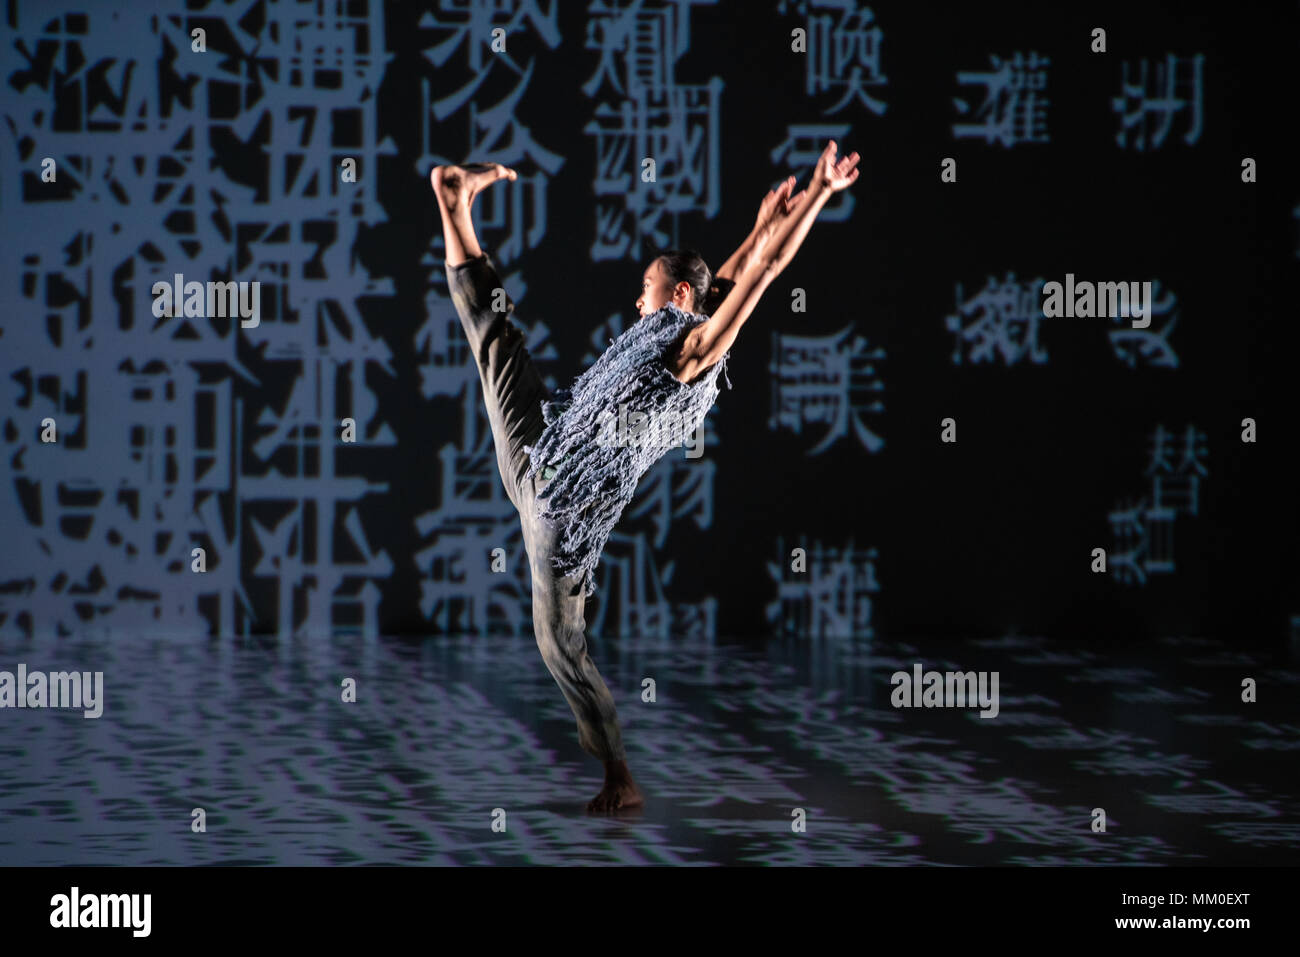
[(828, 380), (832, 599), (1181, 484), (1144, 532), (1173, 76), (1003, 320), (1014, 108), (841, 38), (472, 24), (1151, 345)]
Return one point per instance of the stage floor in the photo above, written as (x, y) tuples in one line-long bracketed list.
[(444, 731)]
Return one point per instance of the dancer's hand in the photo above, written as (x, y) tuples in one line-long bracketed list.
[(774, 208), (832, 175), (777, 207)]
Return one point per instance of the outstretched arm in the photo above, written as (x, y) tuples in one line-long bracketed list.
[(769, 215), (763, 262)]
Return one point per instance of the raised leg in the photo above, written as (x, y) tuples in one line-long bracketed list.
[(456, 187), (512, 387)]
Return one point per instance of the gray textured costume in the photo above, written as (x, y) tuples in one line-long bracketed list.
[(569, 487), (595, 465)]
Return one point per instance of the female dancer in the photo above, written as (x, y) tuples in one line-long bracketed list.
[(569, 486)]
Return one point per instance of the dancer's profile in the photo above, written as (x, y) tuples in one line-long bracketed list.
[(571, 484)]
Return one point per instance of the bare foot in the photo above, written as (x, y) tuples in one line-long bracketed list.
[(620, 791), (458, 185)]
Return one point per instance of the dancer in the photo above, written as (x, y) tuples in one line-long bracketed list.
[(570, 483)]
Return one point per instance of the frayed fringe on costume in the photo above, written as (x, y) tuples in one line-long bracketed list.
[(595, 480)]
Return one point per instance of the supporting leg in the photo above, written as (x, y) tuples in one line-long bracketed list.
[(560, 624)]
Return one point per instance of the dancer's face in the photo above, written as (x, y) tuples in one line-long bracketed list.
[(657, 290)]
